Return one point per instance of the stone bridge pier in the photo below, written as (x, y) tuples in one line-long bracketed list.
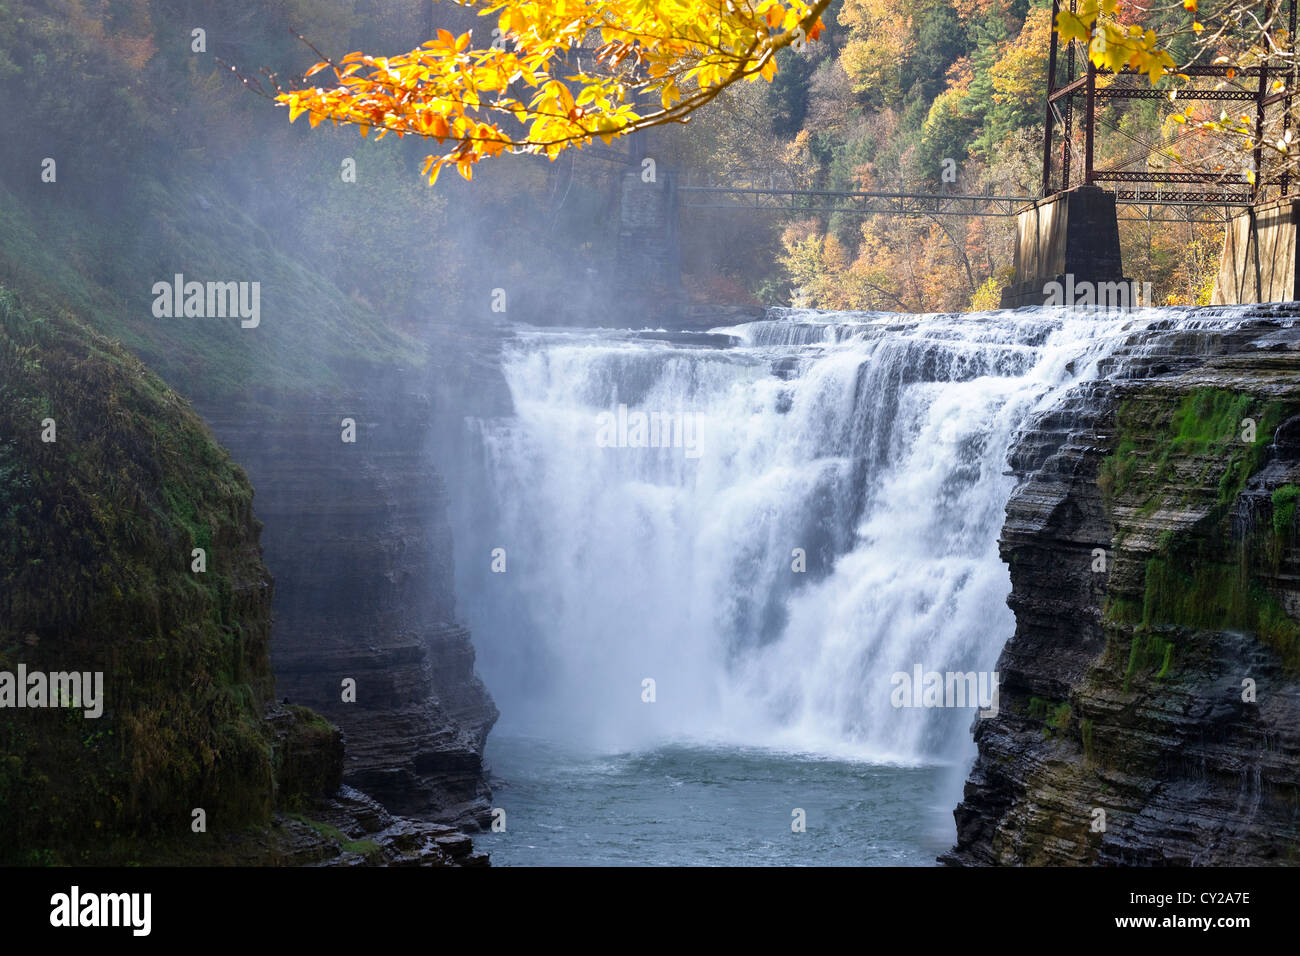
[(647, 258), (1071, 239)]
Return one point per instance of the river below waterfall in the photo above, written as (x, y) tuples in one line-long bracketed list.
[(678, 805), (697, 566)]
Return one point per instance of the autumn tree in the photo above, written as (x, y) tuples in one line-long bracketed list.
[(1019, 93), (548, 75), (898, 95)]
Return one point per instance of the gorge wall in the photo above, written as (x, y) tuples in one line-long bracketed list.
[(358, 539), (358, 543), (108, 482), (1153, 673)]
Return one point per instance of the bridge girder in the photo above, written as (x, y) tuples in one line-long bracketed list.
[(1135, 205)]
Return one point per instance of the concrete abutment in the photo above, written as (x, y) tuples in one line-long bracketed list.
[(1259, 255), (1072, 239)]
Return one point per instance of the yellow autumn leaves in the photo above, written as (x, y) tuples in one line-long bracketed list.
[(558, 73), (1112, 46)]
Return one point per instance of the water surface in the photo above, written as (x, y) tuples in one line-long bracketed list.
[(680, 805)]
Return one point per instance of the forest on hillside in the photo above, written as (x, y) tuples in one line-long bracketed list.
[(930, 96), (893, 97)]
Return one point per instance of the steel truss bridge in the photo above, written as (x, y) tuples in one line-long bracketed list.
[(1142, 206), (1073, 87)]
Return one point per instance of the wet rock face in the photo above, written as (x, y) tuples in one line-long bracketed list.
[(351, 829), (308, 754), (345, 828), (357, 538), (1150, 696)]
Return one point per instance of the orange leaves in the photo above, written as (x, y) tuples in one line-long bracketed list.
[(669, 54), (431, 168)]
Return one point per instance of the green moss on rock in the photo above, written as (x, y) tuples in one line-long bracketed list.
[(1284, 499), (1206, 578), (1206, 423), (308, 757), (96, 534)]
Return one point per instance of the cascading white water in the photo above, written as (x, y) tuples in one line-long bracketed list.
[(875, 443)]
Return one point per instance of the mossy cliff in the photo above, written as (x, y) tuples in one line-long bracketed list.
[(1150, 697), (98, 527)]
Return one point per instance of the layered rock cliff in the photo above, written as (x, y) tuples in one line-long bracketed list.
[(358, 543), (1150, 696), (358, 539)]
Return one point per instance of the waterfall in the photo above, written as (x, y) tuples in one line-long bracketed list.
[(874, 445)]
